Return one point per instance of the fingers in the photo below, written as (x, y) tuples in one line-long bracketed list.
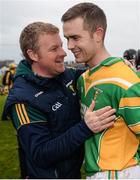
[(107, 114), (103, 127), (108, 120), (98, 126), (100, 119), (91, 107), (103, 110)]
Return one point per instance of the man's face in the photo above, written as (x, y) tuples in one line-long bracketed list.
[(49, 60), (81, 43)]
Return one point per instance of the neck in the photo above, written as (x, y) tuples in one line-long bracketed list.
[(39, 70), (100, 56)]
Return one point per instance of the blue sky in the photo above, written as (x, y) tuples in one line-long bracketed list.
[(123, 18)]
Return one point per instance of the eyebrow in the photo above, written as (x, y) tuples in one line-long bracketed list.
[(72, 36)]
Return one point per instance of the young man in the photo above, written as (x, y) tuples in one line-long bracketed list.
[(44, 107), (112, 153)]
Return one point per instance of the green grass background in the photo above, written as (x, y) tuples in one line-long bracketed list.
[(9, 164)]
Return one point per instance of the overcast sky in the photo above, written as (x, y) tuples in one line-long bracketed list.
[(123, 18)]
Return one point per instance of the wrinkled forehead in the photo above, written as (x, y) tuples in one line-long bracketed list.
[(49, 39)]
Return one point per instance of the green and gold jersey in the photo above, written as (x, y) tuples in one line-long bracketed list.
[(138, 73), (112, 83)]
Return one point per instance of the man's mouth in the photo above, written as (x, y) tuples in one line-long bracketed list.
[(59, 62), (76, 53)]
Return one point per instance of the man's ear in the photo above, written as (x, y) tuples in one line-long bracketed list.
[(33, 56), (99, 34)]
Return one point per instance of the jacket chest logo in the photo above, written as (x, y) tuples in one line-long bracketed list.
[(70, 86), (56, 106)]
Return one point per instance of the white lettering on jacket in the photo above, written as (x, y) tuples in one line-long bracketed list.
[(56, 106), (39, 93)]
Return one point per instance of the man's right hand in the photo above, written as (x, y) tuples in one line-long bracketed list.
[(100, 119)]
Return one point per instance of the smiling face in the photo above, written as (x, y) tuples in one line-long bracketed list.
[(48, 61), (83, 44)]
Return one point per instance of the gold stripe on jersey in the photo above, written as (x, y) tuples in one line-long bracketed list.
[(108, 74), (114, 142), (132, 101), (18, 114), (22, 114), (117, 81), (135, 128)]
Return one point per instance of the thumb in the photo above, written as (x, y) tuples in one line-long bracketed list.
[(91, 107)]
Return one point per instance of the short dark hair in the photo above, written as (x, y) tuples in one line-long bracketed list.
[(92, 15), (129, 54), (138, 58)]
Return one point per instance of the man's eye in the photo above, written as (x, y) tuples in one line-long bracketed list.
[(54, 49), (76, 38)]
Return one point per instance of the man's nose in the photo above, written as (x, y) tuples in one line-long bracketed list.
[(70, 44), (63, 52)]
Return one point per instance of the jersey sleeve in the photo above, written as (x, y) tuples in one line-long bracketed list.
[(129, 108)]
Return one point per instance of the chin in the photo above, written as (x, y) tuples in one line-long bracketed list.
[(61, 70), (78, 60)]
